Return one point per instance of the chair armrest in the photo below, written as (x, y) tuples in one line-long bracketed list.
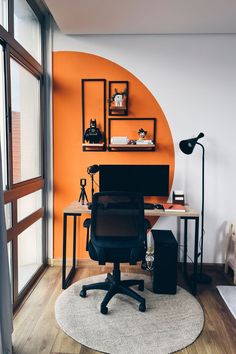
[(147, 224), (87, 224)]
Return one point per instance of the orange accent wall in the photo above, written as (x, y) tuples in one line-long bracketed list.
[(70, 162)]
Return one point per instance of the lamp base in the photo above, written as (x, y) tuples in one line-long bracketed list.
[(201, 278)]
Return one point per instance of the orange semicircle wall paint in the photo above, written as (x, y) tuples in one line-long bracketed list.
[(69, 161)]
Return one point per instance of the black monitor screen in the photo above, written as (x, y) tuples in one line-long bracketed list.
[(149, 180)]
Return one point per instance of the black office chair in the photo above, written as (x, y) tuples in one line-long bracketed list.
[(117, 235)]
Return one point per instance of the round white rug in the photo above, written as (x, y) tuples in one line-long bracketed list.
[(170, 323)]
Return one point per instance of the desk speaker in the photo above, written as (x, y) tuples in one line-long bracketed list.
[(165, 262)]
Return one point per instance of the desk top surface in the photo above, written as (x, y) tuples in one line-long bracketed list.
[(77, 208)]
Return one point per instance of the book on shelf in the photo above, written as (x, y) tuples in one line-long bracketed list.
[(169, 207), (144, 142)]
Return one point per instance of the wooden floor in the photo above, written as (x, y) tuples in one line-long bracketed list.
[(36, 331)]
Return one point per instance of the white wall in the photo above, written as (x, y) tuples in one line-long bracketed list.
[(193, 78)]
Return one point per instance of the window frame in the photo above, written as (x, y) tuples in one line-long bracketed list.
[(14, 50), (14, 55)]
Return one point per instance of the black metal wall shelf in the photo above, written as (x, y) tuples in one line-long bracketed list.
[(132, 147), (89, 146), (124, 87)]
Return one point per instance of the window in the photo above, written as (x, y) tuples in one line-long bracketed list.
[(28, 204), (4, 13), (9, 250), (29, 253), (26, 128), (21, 140), (27, 29), (8, 215)]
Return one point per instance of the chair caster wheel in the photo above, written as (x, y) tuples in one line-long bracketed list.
[(144, 265), (82, 293), (141, 286), (104, 310), (108, 278), (142, 307)]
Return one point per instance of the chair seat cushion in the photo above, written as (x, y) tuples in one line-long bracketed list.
[(120, 255)]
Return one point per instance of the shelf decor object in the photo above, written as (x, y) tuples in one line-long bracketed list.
[(123, 134), (187, 147), (94, 114), (178, 197), (118, 98)]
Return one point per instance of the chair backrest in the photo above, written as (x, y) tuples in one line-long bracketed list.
[(117, 219)]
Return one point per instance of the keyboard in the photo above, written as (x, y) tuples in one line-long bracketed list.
[(149, 206)]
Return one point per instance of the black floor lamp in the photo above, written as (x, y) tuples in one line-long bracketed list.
[(187, 146)]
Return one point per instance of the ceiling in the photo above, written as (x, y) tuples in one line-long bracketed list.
[(144, 16)]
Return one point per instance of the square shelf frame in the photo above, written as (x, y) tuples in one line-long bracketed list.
[(122, 111)]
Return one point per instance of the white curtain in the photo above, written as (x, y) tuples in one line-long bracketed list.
[(5, 287)]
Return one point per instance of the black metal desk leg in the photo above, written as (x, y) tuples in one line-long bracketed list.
[(185, 245), (195, 270), (191, 280), (64, 251), (67, 279), (74, 242)]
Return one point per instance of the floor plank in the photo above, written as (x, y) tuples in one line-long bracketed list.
[(36, 330)]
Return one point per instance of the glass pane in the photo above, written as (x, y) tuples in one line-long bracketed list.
[(9, 248), (28, 204), (8, 215), (3, 119), (29, 253), (4, 13), (27, 28), (26, 130)]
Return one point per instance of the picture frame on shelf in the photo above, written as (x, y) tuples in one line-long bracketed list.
[(118, 100)]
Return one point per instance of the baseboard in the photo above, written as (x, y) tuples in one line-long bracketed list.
[(213, 266), (50, 262), (206, 266)]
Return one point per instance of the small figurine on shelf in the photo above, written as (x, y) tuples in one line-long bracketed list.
[(119, 97), (118, 100), (132, 142), (93, 134), (142, 133)]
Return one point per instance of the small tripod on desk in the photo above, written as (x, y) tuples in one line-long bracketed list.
[(83, 194)]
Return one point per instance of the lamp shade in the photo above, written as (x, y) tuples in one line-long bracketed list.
[(187, 146), (92, 169)]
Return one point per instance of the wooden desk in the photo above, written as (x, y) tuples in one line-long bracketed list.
[(75, 209)]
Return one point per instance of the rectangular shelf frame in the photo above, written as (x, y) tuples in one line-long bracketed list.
[(101, 146), (124, 147)]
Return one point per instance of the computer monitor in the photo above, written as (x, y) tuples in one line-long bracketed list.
[(149, 180)]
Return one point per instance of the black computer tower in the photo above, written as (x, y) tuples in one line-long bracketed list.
[(165, 262)]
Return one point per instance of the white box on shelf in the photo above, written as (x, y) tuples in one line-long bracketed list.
[(119, 140)]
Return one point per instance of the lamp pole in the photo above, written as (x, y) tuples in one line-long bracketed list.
[(201, 277), (187, 147), (203, 203)]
